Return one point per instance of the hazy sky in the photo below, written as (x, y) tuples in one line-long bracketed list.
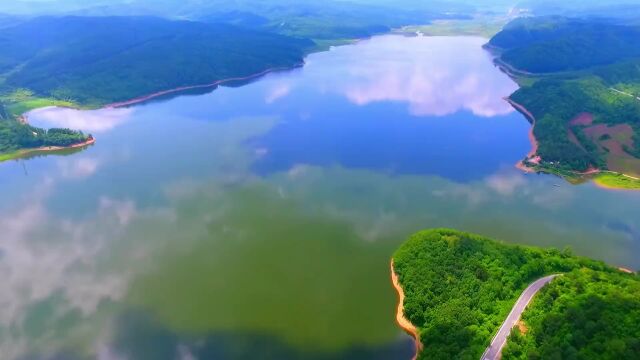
[(155, 7)]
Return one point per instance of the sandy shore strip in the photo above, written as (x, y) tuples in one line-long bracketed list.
[(46, 149), (145, 98), (532, 138), (404, 323), (625, 270)]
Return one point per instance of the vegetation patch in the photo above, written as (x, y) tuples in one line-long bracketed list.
[(617, 181), (478, 26), (585, 314), (17, 139), (460, 287), (580, 80), (95, 61)]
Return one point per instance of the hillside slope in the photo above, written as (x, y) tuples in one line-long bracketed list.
[(585, 314), (459, 287), (581, 81), (99, 60)]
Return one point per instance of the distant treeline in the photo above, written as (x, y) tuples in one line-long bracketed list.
[(553, 44), (94, 61)]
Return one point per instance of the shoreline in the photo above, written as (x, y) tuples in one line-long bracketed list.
[(145, 98), (532, 138), (506, 68), (43, 150), (23, 119), (534, 149), (403, 322)]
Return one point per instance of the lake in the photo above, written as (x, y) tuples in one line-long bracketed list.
[(261, 218)]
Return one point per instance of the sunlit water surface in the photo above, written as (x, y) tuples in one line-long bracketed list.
[(260, 219)]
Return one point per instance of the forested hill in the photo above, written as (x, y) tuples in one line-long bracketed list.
[(99, 60), (551, 44), (584, 314), (327, 19), (580, 79), (460, 287)]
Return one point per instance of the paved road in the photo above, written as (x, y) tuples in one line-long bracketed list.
[(625, 93), (495, 349)]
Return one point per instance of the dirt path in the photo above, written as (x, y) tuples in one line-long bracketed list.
[(404, 323)]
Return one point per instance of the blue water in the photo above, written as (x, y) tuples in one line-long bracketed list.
[(260, 219)]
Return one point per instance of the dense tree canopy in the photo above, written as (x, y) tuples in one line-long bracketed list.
[(460, 287), (542, 45), (606, 86), (15, 136), (107, 59), (585, 314)]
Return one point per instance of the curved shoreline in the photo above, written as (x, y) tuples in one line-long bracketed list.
[(152, 96), (24, 119), (605, 186), (532, 138), (44, 149), (533, 153), (403, 322)]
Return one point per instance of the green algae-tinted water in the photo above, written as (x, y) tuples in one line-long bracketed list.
[(258, 221)]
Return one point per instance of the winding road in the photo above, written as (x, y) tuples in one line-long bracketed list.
[(495, 348)]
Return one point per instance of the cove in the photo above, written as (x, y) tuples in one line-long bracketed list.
[(261, 218)]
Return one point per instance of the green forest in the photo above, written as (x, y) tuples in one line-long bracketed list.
[(459, 287), (556, 102), (567, 67), (15, 136), (91, 62), (114, 53), (585, 314), (554, 44), (96, 61)]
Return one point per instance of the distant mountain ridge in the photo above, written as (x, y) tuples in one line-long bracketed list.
[(552, 44), (98, 60)]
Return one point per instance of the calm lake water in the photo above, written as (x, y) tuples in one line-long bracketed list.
[(260, 219)]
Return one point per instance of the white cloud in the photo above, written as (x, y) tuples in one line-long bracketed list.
[(277, 92), (78, 168), (506, 184), (91, 121), (432, 75)]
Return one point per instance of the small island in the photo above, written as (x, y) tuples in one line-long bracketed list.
[(459, 288), (580, 89)]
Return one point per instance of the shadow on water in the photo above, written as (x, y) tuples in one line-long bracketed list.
[(61, 152), (628, 230), (138, 336)]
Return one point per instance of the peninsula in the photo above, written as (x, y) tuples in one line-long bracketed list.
[(579, 87), (460, 288)]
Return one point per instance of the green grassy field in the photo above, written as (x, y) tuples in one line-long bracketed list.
[(617, 181), (480, 26)]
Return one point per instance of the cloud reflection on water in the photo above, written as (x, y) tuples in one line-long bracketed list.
[(91, 121), (432, 76)]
